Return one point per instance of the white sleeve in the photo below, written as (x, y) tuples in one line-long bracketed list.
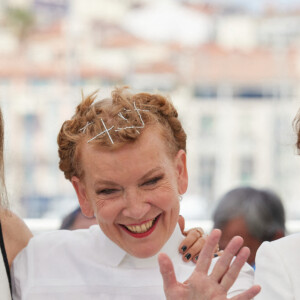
[(244, 281), (271, 274), (20, 275)]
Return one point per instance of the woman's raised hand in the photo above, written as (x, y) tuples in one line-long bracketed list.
[(200, 285), (193, 243)]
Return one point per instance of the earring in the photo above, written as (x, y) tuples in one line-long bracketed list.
[(180, 197)]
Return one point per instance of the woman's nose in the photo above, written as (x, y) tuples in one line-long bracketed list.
[(135, 206)]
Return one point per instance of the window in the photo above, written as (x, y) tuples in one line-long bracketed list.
[(246, 167), (205, 91), (207, 125), (207, 176)]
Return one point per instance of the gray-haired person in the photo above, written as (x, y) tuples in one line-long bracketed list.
[(257, 215)]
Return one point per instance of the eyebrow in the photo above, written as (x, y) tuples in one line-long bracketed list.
[(108, 182)]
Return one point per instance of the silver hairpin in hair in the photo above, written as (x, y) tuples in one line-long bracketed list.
[(132, 127), (103, 132), (128, 127), (138, 112), (83, 129), (119, 128), (121, 116)]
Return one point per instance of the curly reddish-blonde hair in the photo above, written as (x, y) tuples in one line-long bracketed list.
[(122, 110), (3, 193), (296, 124)]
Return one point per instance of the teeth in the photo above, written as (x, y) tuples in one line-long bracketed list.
[(140, 228), (144, 228)]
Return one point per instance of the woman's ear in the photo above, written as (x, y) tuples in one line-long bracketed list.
[(182, 174), (85, 204)]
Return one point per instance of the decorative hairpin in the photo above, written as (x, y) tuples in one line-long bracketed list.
[(105, 131), (121, 116), (83, 129), (133, 127)]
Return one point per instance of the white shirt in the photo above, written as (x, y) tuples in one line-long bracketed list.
[(278, 269), (85, 264), (4, 283)]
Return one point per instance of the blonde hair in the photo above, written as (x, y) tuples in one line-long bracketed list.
[(136, 110), (3, 192), (296, 124)]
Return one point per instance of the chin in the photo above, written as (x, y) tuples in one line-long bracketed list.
[(145, 252)]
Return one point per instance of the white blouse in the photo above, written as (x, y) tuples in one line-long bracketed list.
[(4, 283), (278, 269), (85, 264), (4, 280)]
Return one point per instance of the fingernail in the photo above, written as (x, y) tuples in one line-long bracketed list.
[(188, 256), (183, 248), (216, 255), (196, 258)]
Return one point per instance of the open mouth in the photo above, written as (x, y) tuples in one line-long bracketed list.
[(141, 230)]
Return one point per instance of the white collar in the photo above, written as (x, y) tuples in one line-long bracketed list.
[(112, 255)]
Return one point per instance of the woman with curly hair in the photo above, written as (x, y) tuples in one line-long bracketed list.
[(126, 159)]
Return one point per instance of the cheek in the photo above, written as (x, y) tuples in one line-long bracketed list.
[(166, 200), (107, 211)]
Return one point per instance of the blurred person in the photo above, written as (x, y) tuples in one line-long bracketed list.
[(126, 159), (256, 215), (77, 220), (14, 234), (277, 262)]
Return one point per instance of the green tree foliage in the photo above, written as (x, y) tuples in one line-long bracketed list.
[(21, 21)]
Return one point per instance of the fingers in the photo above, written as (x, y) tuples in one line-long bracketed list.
[(235, 268), (249, 294), (167, 271), (224, 261), (192, 244), (197, 247), (207, 251), (181, 224), (219, 253), (193, 251)]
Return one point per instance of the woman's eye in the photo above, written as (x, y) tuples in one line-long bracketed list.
[(107, 191), (153, 180)]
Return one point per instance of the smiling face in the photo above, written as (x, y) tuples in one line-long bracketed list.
[(133, 191)]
